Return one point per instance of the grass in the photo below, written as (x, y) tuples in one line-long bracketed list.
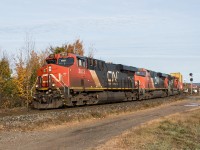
[(177, 132)]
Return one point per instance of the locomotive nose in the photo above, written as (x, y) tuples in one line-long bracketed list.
[(51, 75), (45, 78)]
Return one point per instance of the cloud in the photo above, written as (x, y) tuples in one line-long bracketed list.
[(75, 22), (149, 56)]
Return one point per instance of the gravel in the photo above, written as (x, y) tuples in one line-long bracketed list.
[(42, 119)]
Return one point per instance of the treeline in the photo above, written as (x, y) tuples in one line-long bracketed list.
[(16, 82)]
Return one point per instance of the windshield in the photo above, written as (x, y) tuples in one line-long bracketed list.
[(51, 61), (141, 73), (66, 61)]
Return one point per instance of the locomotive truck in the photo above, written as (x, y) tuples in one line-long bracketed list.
[(71, 80)]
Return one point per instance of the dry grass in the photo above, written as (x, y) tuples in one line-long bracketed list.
[(180, 131)]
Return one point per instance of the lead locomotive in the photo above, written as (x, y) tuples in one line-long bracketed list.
[(69, 79)]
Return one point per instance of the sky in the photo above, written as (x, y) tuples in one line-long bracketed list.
[(158, 35)]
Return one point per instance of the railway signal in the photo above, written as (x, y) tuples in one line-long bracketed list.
[(191, 80)]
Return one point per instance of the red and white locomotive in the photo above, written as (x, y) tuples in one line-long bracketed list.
[(69, 79)]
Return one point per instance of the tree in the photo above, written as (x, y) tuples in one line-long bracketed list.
[(5, 71), (91, 52), (21, 75), (27, 64), (5, 74), (8, 88), (34, 63), (76, 48)]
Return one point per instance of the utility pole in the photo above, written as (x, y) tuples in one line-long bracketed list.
[(191, 80)]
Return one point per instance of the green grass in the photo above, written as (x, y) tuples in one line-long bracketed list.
[(177, 135)]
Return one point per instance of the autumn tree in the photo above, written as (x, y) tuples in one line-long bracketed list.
[(91, 52), (27, 64), (76, 48), (21, 75), (8, 88), (35, 64)]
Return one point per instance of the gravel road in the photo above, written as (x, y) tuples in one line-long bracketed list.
[(89, 134)]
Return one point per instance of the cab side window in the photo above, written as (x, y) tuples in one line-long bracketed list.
[(81, 62), (100, 65), (95, 63), (90, 63)]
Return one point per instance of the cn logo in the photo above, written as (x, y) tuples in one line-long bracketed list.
[(59, 79), (112, 76)]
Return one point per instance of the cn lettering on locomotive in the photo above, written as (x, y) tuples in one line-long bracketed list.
[(112, 77)]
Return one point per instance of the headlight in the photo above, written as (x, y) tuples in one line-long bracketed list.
[(53, 84), (50, 69), (36, 86)]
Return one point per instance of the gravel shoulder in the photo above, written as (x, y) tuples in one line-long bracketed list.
[(91, 133)]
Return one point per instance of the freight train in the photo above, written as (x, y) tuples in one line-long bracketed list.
[(71, 80)]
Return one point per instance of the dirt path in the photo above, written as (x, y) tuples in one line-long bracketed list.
[(90, 134)]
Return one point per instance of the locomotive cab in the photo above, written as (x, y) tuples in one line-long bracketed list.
[(53, 80), (55, 72), (143, 78)]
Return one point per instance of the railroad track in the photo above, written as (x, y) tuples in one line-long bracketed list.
[(25, 111), (23, 120)]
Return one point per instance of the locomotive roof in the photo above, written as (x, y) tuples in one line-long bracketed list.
[(127, 68)]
